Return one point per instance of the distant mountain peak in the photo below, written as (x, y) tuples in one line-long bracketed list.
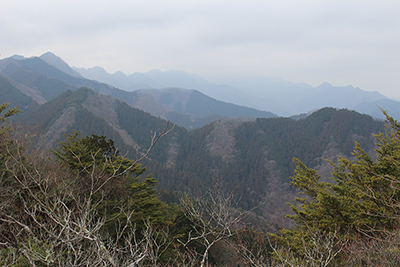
[(51, 57), (60, 64), (325, 85), (49, 54), (119, 73), (18, 57)]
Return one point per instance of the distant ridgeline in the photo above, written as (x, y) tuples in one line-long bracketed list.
[(245, 155), (242, 156)]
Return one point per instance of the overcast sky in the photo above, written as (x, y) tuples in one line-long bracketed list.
[(340, 42)]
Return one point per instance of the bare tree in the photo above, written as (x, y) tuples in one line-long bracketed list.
[(48, 218), (254, 247), (377, 250), (318, 248), (213, 220)]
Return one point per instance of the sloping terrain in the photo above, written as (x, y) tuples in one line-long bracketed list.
[(13, 95), (280, 97), (251, 159), (193, 107), (44, 78)]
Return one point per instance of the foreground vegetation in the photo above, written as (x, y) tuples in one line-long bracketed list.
[(84, 204), (353, 220)]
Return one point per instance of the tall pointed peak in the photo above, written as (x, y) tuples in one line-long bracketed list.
[(52, 59), (60, 64)]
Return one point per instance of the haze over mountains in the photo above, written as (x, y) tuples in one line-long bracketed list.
[(35, 77), (264, 97), (248, 149), (277, 96)]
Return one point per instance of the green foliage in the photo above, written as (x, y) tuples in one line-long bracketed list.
[(84, 153), (83, 120), (85, 209), (6, 143), (194, 158), (362, 197), (9, 112), (281, 139), (324, 203), (88, 155)]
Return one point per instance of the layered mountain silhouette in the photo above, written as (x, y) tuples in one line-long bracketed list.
[(248, 151), (253, 159), (277, 96), (45, 77), (261, 94)]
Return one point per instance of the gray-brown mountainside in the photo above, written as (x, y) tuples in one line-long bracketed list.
[(42, 81), (277, 96), (250, 159)]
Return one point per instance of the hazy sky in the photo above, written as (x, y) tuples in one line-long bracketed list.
[(341, 42)]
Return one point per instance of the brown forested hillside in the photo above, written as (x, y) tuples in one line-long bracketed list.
[(252, 159)]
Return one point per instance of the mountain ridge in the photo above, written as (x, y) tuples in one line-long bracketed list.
[(44, 81), (253, 159), (60, 64), (286, 98), (277, 96)]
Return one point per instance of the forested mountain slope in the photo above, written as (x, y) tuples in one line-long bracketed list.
[(252, 159), (40, 80), (91, 113)]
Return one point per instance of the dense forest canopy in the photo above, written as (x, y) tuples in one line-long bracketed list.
[(88, 179), (90, 196), (354, 219)]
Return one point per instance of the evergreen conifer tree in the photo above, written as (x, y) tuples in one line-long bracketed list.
[(362, 198)]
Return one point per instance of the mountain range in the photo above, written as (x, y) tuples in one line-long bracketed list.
[(258, 93), (251, 159), (36, 76), (248, 151), (277, 96)]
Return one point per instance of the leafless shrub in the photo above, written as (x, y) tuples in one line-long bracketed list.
[(377, 250), (318, 248), (254, 247), (50, 216), (213, 221)]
